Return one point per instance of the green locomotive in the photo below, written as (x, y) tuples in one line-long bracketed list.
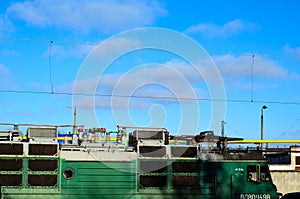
[(149, 164)]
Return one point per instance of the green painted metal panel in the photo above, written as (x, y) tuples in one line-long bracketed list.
[(95, 179)]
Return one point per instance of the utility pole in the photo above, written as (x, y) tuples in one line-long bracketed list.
[(74, 118), (222, 128), (262, 124)]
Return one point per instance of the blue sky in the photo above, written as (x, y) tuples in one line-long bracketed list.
[(229, 31)]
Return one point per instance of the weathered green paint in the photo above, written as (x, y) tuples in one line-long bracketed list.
[(217, 179), (231, 182)]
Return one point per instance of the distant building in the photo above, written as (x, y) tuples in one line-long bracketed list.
[(284, 165), (283, 158)]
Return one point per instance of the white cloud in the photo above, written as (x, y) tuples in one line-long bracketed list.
[(4, 71), (2, 27), (82, 51), (6, 78), (230, 28), (170, 81), (5, 25), (38, 86), (241, 66), (59, 51), (10, 53), (294, 52), (86, 16), (183, 80)]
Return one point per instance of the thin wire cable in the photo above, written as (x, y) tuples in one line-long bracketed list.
[(50, 67), (291, 126), (47, 41), (148, 97)]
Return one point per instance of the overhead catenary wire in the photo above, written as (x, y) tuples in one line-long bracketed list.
[(147, 97), (288, 129), (120, 46), (47, 41)]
